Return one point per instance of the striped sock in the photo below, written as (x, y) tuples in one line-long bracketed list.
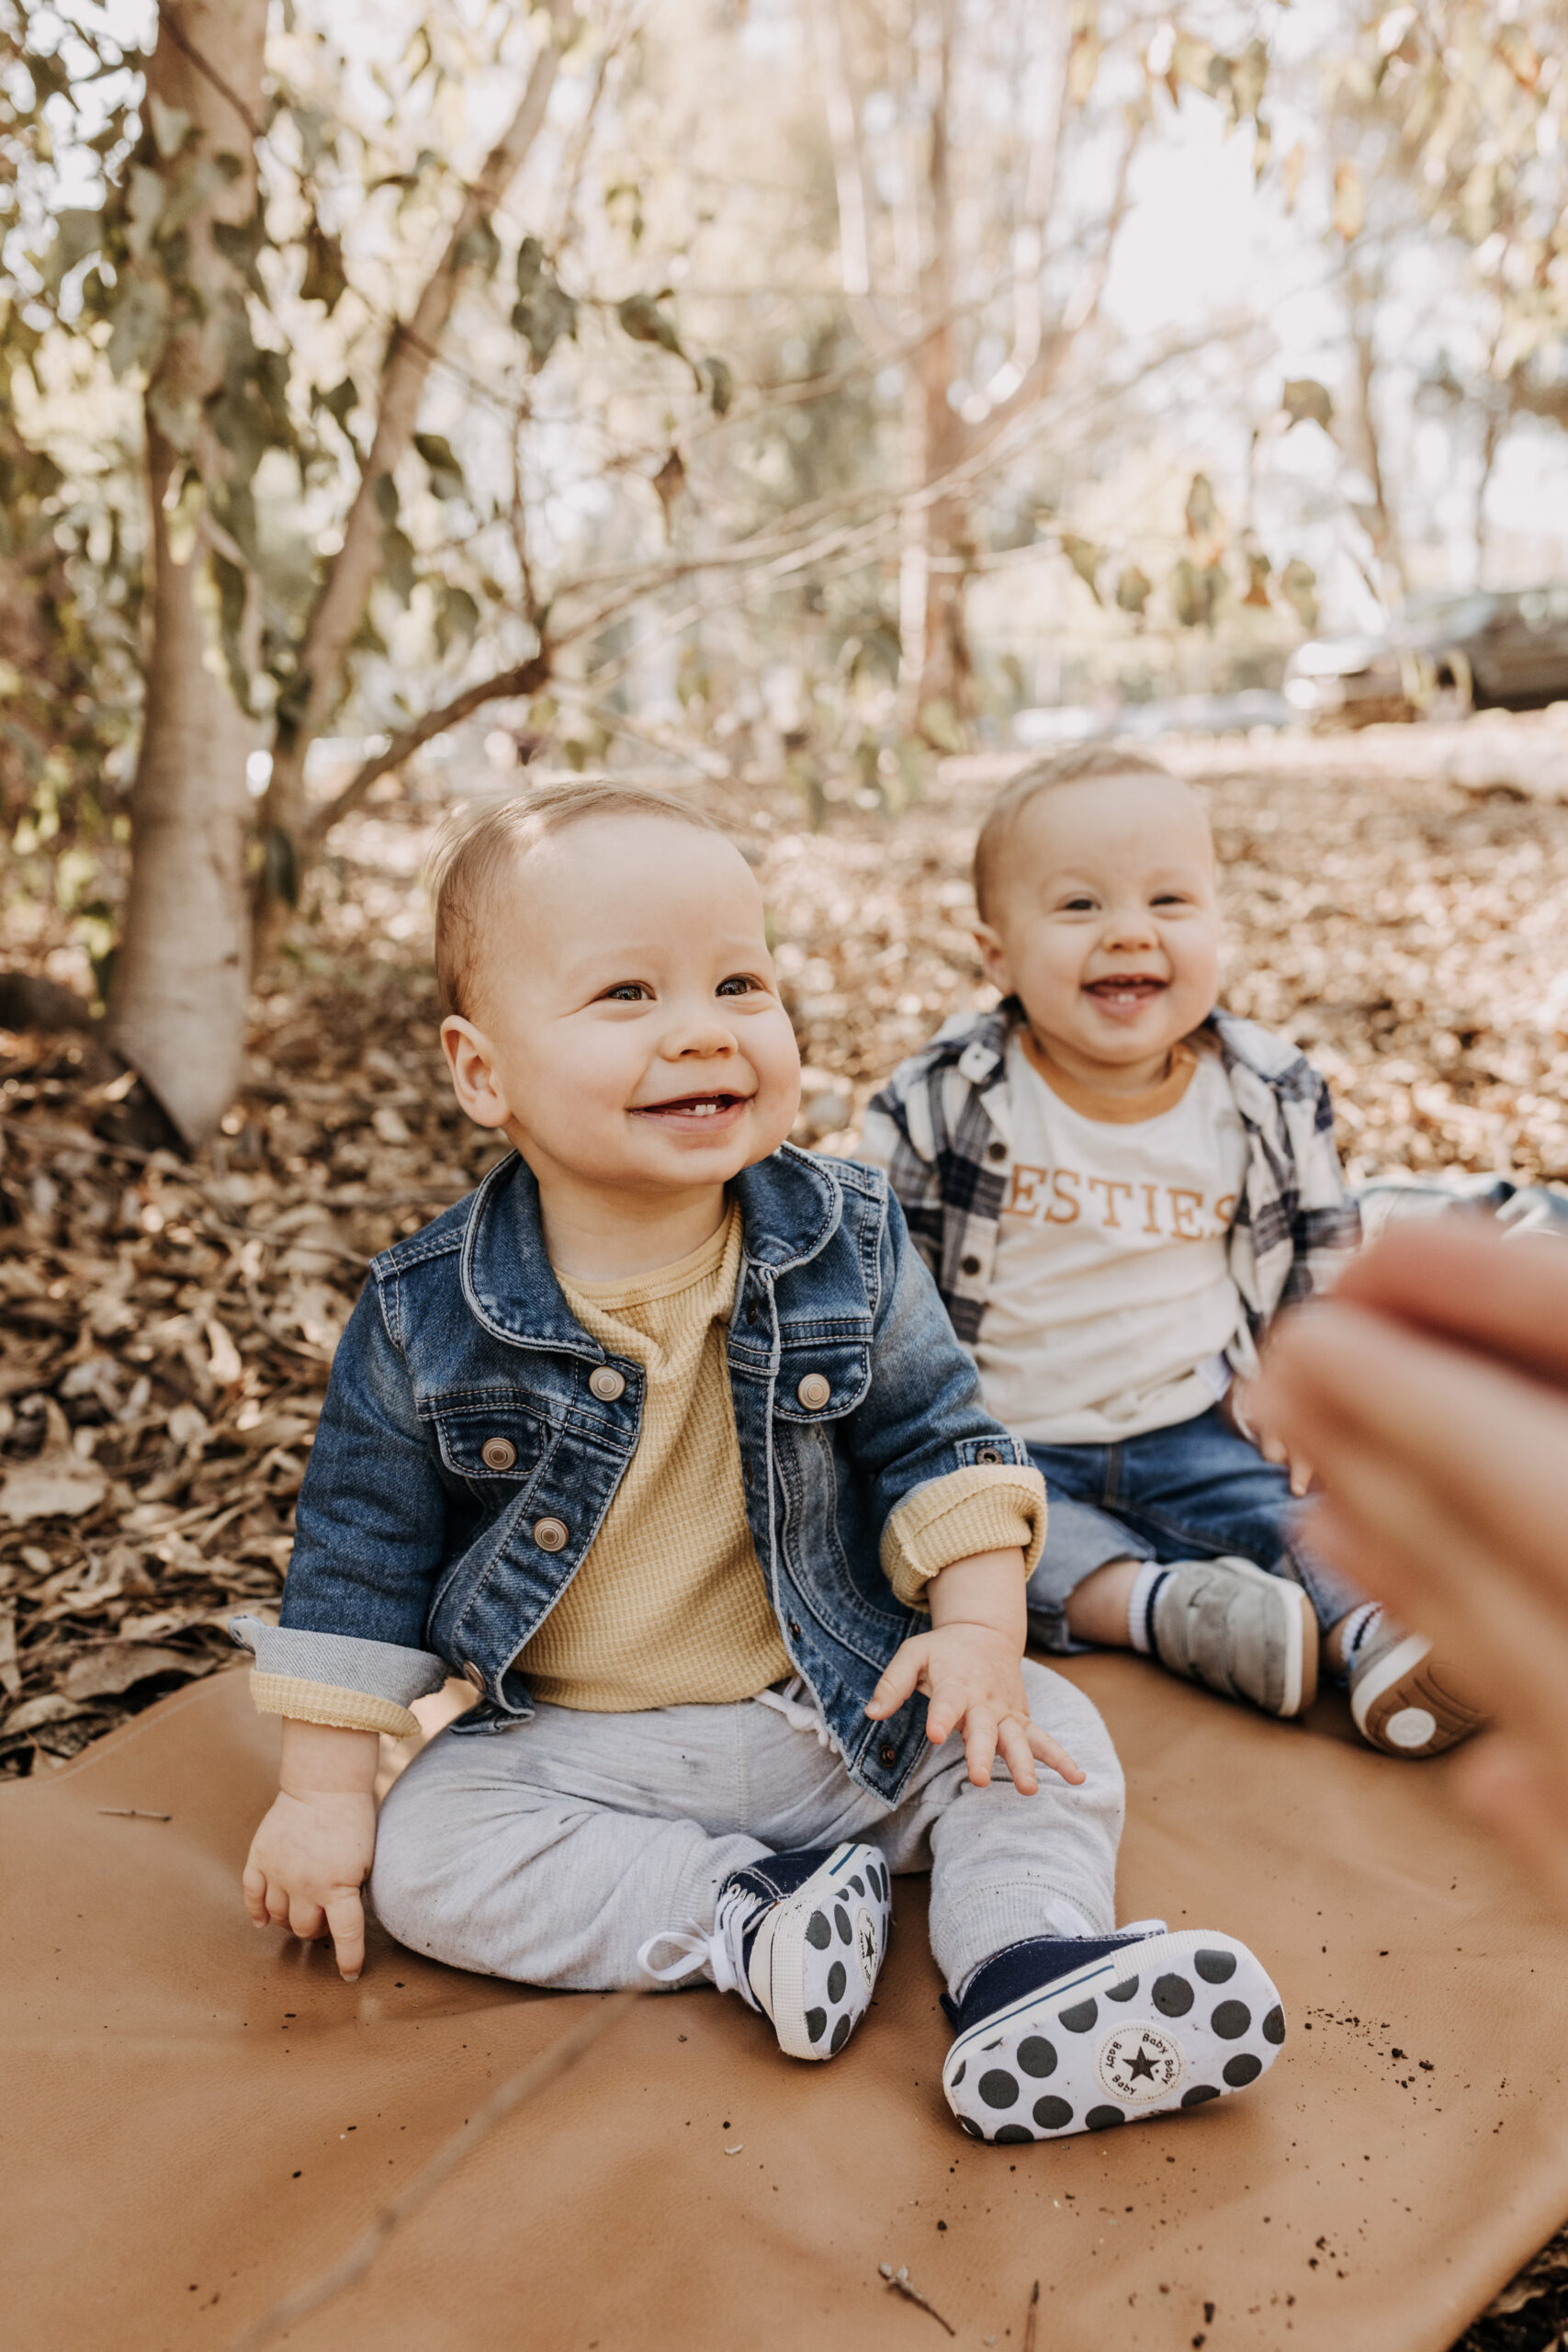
[(1360, 1627), (1141, 1608)]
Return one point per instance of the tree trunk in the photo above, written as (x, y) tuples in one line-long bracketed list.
[(177, 999)]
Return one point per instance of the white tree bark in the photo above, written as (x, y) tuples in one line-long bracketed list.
[(177, 999)]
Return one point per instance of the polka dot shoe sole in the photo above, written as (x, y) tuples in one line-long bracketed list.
[(814, 1963), (1151, 2030)]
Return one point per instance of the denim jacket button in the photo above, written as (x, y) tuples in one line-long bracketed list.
[(814, 1391), (498, 1453), (474, 1673), (607, 1384), (551, 1534), (887, 1752), (988, 1454)]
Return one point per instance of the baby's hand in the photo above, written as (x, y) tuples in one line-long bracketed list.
[(313, 1853), (1252, 1419), (971, 1674)]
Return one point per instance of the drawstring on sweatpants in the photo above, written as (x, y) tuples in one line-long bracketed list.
[(800, 1711)]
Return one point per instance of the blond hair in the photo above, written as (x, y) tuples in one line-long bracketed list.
[(1084, 763), (476, 846)]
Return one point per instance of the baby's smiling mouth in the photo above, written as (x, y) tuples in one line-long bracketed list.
[(1126, 988), (691, 1107)]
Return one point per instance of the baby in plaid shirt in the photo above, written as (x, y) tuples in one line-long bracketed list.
[(1117, 1187)]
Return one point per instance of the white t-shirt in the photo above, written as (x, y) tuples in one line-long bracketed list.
[(1111, 1300)]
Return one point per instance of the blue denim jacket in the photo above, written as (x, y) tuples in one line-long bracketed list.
[(416, 1556)]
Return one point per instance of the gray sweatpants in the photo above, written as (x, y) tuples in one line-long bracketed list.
[(550, 1852)]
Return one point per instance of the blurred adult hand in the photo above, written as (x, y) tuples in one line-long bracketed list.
[(1430, 1392)]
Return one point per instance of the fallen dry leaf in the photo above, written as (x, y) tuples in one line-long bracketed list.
[(61, 1485), (106, 1672)]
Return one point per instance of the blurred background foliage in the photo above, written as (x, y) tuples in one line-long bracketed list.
[(828, 379)]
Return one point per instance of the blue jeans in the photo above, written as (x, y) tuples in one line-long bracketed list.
[(1186, 1493)]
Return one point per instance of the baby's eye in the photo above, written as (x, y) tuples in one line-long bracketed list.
[(626, 992), (739, 983), (1173, 899), (1082, 905)]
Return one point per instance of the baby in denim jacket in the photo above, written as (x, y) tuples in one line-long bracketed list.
[(664, 1440)]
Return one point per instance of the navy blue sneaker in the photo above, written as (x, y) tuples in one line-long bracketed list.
[(800, 1937), (1056, 2035)]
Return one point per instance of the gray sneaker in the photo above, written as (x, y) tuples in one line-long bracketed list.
[(1238, 1631), (1402, 1700)]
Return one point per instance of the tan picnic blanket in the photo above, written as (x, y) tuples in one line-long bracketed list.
[(198, 2118)]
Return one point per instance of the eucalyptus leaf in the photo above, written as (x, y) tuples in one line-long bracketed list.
[(339, 403), (398, 563), (456, 618), (170, 125), (1306, 401), (1298, 585), (642, 318), (325, 281), (479, 247), (543, 311), (143, 210), (445, 473), (194, 183), (1194, 591), (78, 232), (1134, 590), (1085, 557), (719, 378), (139, 319)]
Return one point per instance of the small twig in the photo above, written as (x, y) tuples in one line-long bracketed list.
[(134, 1813), (1033, 2322), (512, 2095), (900, 2282)]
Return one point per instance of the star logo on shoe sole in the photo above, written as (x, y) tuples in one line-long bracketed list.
[(1140, 2062)]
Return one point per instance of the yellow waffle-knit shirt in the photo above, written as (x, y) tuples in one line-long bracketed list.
[(670, 1607)]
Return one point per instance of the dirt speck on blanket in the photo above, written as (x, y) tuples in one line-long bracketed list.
[(201, 2118)]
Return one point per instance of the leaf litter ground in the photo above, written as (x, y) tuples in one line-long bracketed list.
[(165, 1327)]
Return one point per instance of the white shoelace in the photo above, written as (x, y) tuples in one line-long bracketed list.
[(721, 1952), (693, 1951)]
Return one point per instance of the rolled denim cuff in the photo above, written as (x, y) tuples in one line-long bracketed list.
[(336, 1678)]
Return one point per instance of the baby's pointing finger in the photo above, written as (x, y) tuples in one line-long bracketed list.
[(897, 1683), (345, 1920)]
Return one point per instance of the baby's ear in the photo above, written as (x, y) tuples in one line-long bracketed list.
[(993, 957), (470, 1058)]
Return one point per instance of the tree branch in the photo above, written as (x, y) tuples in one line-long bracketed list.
[(526, 678)]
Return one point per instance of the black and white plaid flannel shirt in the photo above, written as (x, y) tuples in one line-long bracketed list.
[(942, 1130)]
